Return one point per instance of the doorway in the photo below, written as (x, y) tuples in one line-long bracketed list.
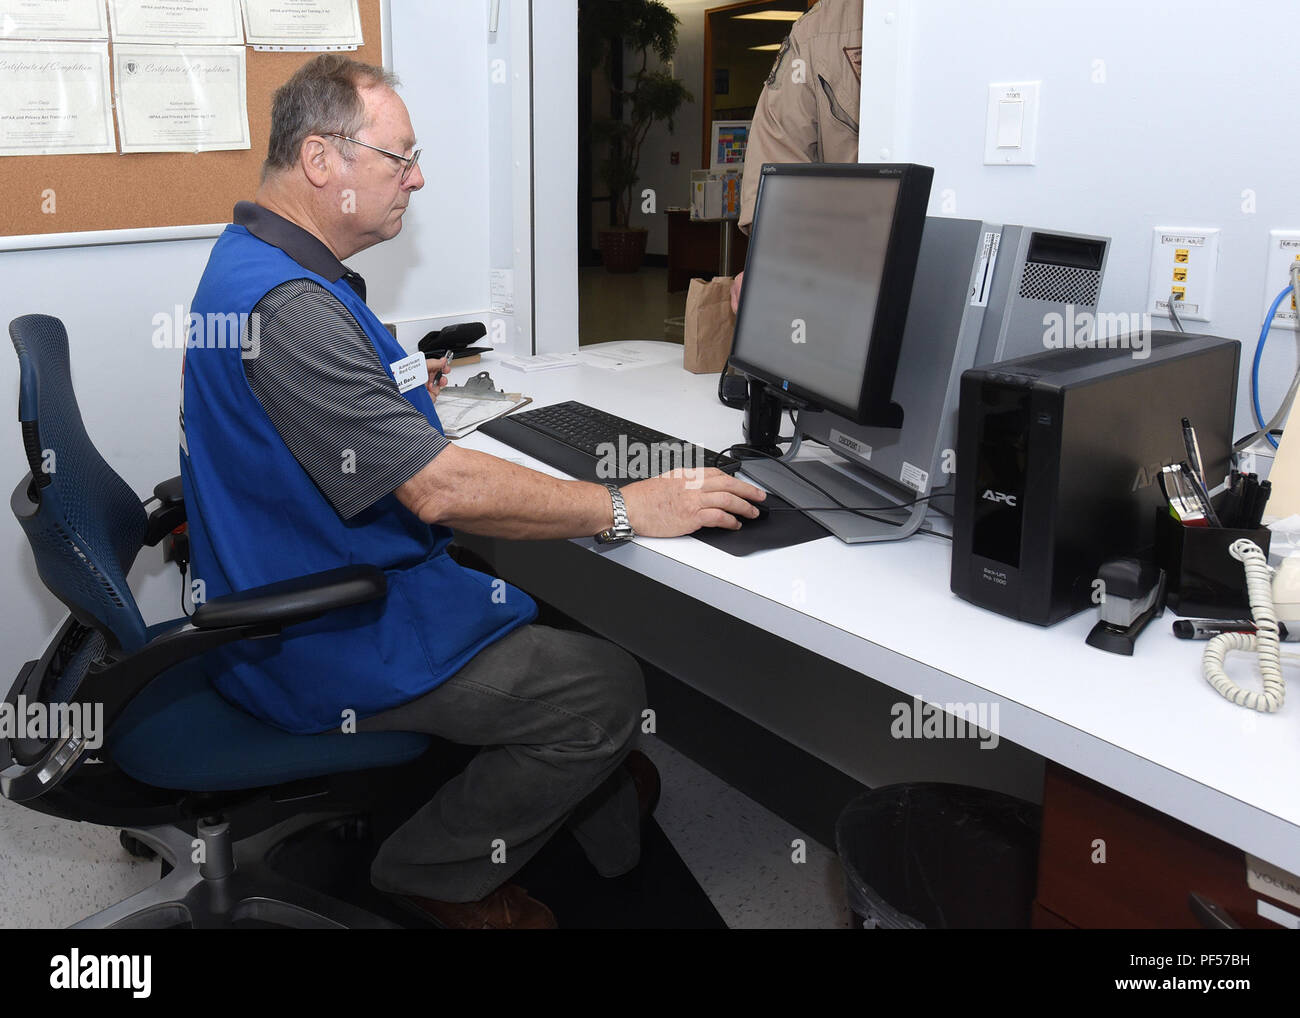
[(723, 57)]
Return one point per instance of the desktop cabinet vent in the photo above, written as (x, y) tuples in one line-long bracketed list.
[(1063, 268), (1062, 284)]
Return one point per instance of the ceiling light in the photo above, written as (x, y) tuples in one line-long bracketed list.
[(769, 16)]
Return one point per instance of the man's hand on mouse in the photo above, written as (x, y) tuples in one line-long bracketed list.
[(682, 501), (437, 375)]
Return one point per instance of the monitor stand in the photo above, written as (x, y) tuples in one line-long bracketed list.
[(860, 489)]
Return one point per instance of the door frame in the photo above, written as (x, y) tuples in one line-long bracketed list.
[(706, 111)]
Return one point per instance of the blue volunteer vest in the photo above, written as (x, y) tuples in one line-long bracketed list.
[(256, 517)]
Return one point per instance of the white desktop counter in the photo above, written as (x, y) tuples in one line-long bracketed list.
[(1148, 726)]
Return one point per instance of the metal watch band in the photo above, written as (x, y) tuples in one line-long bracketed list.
[(622, 528)]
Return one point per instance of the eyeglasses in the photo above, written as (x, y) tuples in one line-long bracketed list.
[(408, 163)]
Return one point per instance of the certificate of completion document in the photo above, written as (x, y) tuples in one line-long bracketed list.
[(180, 98), (186, 22), (53, 19), (54, 99), (303, 24)]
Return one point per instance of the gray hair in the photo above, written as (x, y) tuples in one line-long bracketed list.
[(322, 97)]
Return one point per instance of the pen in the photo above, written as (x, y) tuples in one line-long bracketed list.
[(450, 355), (1239, 489), (1230, 504), (1261, 500), (1246, 503), (1194, 453)]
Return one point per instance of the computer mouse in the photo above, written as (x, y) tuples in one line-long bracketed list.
[(763, 512)]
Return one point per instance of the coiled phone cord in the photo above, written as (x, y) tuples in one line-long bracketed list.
[(1259, 585)]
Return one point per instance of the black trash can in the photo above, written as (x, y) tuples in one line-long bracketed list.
[(939, 856)]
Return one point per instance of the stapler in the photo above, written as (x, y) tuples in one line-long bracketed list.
[(1133, 593), (455, 339)]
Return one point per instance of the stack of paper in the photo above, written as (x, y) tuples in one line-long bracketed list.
[(542, 361), (622, 356)]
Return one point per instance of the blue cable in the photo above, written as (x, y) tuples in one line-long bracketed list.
[(1259, 354)]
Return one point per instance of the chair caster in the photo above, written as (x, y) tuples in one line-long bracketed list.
[(136, 847)]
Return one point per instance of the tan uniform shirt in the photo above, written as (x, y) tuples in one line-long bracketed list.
[(808, 112)]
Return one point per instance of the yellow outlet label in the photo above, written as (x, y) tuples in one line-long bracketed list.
[(1181, 254), (1180, 292), (1180, 274)]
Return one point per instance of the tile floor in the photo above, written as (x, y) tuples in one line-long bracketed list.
[(55, 872), (634, 306)]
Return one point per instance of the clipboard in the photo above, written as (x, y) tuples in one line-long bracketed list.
[(464, 408)]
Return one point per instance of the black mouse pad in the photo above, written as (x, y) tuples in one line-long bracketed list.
[(783, 528)]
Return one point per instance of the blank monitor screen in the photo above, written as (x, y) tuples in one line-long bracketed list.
[(828, 249)]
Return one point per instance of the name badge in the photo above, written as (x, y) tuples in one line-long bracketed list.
[(410, 372)]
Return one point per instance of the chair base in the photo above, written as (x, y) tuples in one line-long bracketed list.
[(232, 882)]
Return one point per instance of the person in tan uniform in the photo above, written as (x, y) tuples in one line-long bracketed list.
[(808, 112)]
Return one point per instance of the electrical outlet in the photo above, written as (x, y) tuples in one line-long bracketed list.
[(1184, 263), (1283, 249)]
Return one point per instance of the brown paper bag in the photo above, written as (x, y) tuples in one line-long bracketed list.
[(710, 323)]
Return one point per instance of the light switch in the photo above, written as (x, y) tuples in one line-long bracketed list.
[(1011, 128), (1011, 116)]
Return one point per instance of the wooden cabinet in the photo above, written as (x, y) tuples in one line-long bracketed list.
[(1152, 864), (694, 249)]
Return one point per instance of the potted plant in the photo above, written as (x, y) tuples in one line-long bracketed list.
[(609, 30)]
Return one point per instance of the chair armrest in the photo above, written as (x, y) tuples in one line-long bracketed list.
[(292, 601), (168, 514), (249, 615), (170, 490)]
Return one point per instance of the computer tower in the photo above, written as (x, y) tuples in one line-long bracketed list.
[(1058, 459)]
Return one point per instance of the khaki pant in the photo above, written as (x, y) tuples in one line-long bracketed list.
[(556, 713)]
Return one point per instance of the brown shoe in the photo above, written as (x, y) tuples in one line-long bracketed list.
[(645, 776), (507, 908)]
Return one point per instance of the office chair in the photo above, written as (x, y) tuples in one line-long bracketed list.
[(177, 760)]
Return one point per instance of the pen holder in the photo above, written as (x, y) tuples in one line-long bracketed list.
[(1204, 581)]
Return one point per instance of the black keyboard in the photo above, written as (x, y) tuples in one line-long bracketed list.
[(592, 445)]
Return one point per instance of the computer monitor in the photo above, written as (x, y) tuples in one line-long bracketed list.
[(828, 279)]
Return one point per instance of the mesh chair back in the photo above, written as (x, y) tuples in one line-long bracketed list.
[(84, 523)]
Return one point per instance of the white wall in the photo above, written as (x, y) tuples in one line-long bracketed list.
[(475, 209), (435, 265), (554, 160), (127, 389), (1197, 104)]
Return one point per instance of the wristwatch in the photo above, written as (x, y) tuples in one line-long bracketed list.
[(622, 529)]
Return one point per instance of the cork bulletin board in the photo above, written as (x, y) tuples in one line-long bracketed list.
[(110, 191)]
